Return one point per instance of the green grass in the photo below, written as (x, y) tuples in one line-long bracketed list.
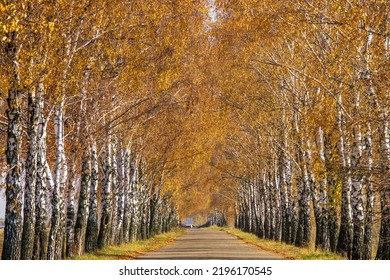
[(288, 251), (132, 250)]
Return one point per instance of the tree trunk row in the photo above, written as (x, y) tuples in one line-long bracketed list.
[(110, 201), (332, 176)]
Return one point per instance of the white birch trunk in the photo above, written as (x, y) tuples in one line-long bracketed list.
[(114, 190), (344, 244), (42, 180), (70, 208), (13, 209), (370, 197), (121, 196), (277, 203), (126, 193), (134, 201), (92, 223), (82, 210), (357, 186), (31, 174), (56, 235), (105, 221), (324, 242)]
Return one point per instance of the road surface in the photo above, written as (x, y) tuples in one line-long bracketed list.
[(201, 244)]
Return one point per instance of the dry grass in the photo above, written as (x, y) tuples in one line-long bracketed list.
[(132, 250), (286, 250), (1, 240)]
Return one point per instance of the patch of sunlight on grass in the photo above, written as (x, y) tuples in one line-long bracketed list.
[(286, 250), (132, 250)]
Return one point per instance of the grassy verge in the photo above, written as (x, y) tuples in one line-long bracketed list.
[(132, 250), (288, 251), (1, 240)]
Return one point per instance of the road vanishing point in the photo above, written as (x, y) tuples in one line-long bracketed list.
[(201, 244)]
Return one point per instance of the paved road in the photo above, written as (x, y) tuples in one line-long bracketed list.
[(200, 244)]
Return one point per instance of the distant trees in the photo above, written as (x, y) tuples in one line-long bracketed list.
[(217, 218)]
